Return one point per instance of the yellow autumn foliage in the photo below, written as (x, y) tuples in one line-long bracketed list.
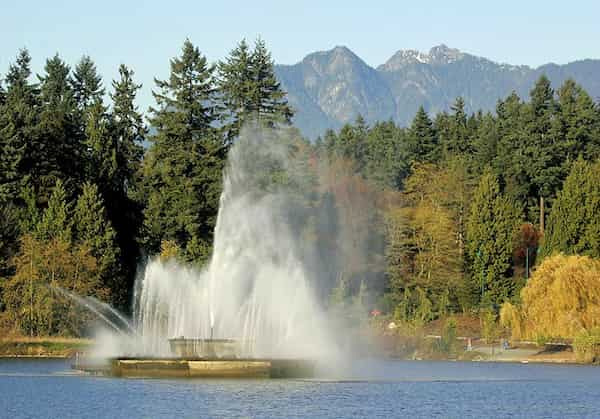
[(169, 250), (33, 304), (561, 300)]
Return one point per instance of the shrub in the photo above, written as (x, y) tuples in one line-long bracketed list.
[(448, 338), (587, 345)]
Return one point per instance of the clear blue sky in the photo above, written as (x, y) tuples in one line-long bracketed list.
[(145, 34)]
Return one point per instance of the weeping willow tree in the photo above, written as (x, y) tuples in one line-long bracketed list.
[(561, 300), (510, 318)]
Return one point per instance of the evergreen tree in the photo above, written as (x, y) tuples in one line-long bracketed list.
[(543, 142), (186, 108), (87, 83), (30, 215), (574, 224), (17, 122), (128, 132), (492, 222), (9, 232), (183, 167), (386, 161), (93, 230), (511, 161), (580, 121), (268, 101), (61, 152), (330, 142), (351, 143), (2, 93), (456, 139), (422, 140), (235, 84), (128, 127), (485, 143), (249, 89), (102, 152), (55, 223)]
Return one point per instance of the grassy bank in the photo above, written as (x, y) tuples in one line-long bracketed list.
[(42, 347), (436, 341)]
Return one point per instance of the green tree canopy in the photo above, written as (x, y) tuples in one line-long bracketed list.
[(422, 140), (249, 89), (492, 222), (56, 222), (93, 230), (574, 224), (18, 119), (87, 83), (182, 170)]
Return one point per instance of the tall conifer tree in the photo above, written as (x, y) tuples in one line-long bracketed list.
[(93, 229), (87, 83), (18, 118), (56, 223), (183, 168), (127, 127), (249, 89), (422, 140), (574, 224), (128, 132), (492, 222), (61, 153), (101, 148)]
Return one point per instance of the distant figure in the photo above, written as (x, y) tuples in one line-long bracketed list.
[(469, 345), (505, 345)]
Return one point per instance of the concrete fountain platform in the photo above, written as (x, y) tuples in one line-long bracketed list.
[(211, 368), (200, 358)]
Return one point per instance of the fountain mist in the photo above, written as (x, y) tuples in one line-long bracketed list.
[(257, 287)]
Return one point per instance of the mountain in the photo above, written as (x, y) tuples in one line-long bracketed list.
[(329, 88)]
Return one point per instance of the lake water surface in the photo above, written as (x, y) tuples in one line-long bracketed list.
[(49, 389)]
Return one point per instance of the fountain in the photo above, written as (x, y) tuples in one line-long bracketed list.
[(251, 311)]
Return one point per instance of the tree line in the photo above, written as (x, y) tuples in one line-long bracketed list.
[(473, 202), (447, 215), (82, 199)]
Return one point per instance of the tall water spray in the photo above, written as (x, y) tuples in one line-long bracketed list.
[(256, 287)]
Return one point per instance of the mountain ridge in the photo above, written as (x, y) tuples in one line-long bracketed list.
[(332, 87)]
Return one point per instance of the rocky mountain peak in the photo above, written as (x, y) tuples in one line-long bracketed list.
[(338, 60), (440, 54)]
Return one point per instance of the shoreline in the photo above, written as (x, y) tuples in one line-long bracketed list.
[(524, 360), (19, 356), (42, 347), (66, 348), (515, 356)]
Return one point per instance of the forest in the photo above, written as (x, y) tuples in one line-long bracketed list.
[(455, 213)]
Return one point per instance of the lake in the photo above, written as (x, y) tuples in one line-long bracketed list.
[(377, 388)]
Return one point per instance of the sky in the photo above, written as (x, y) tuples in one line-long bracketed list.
[(146, 34)]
